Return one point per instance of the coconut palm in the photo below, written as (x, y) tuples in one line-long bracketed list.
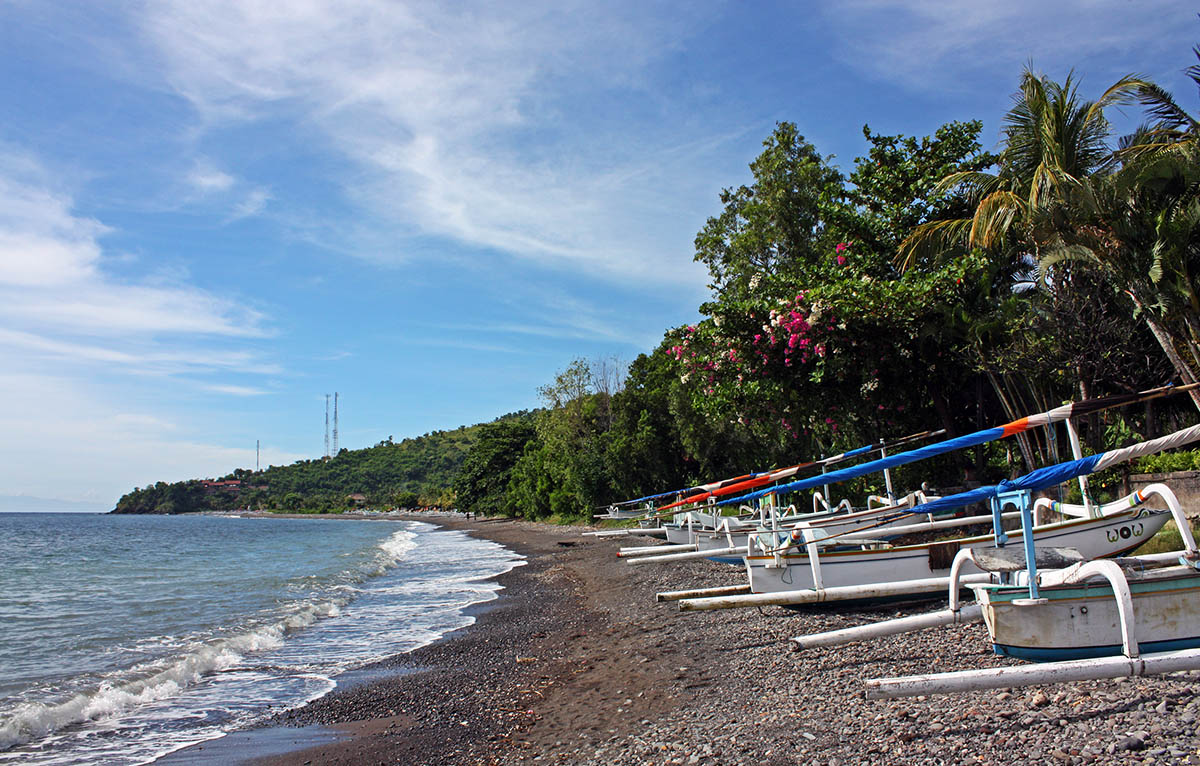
[(1053, 144), (1062, 196), (1144, 230)]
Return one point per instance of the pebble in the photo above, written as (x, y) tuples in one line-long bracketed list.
[(761, 704)]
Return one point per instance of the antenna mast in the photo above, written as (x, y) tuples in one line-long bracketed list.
[(326, 426), (257, 445), (335, 424)]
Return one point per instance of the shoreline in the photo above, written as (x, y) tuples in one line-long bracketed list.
[(576, 663)]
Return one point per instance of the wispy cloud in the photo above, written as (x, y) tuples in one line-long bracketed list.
[(207, 178), (76, 340), (52, 275), (100, 441), (64, 315), (252, 204), (237, 390), (458, 118), (934, 45)]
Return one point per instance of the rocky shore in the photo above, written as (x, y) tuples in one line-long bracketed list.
[(577, 663)]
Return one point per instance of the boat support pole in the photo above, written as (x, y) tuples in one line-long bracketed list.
[(686, 552), (970, 613), (1028, 675), (652, 550), (725, 590), (839, 593), (956, 614)]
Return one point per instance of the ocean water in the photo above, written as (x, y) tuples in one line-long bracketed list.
[(123, 638)]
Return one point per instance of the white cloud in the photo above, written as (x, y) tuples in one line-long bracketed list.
[(52, 275), (75, 339), (99, 445), (459, 115), (253, 204), (207, 178), (237, 390)]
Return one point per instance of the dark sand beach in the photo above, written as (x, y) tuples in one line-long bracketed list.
[(577, 663)]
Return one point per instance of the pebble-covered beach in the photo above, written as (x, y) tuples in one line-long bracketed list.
[(577, 663)]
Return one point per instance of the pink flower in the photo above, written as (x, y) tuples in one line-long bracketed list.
[(841, 260), (841, 246)]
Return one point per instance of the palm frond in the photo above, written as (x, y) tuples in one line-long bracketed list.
[(1126, 90), (974, 182), (1061, 253), (930, 240), (1161, 106), (994, 217)]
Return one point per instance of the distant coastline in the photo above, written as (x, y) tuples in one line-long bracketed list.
[(30, 504)]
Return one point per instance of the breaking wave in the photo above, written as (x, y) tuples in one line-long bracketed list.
[(117, 692)]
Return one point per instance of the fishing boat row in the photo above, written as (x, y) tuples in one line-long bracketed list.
[(1054, 582)]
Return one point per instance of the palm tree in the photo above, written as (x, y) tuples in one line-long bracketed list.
[(1144, 231), (1053, 144), (1063, 196)]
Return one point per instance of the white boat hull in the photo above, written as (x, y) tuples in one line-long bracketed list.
[(1094, 538)]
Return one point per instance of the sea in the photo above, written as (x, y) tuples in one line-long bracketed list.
[(124, 638)]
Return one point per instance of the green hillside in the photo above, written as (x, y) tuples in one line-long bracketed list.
[(408, 473)]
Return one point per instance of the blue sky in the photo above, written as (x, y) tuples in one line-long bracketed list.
[(214, 213)]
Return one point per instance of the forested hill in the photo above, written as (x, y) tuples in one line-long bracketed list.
[(408, 473)]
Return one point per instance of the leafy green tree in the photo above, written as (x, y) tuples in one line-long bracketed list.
[(814, 341), (405, 499), (482, 482), (777, 226), (292, 501), (1062, 200), (896, 187)]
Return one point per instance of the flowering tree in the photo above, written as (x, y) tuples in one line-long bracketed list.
[(842, 362)]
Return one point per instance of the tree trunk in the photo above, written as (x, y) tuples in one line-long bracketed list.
[(1008, 410), (1164, 340)]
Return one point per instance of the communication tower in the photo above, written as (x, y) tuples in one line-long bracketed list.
[(335, 424)]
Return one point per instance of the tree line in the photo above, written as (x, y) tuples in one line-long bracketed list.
[(937, 285), (411, 473), (934, 285)]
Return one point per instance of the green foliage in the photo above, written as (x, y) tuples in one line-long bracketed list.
[(406, 498), (1167, 462), (423, 468), (482, 482), (779, 225), (896, 186)]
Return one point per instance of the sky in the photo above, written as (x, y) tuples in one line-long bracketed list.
[(213, 214)]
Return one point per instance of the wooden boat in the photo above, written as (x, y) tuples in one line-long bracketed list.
[(819, 565), (1083, 618), (785, 568), (731, 540)]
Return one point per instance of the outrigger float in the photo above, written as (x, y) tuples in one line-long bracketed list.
[(1079, 617)]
